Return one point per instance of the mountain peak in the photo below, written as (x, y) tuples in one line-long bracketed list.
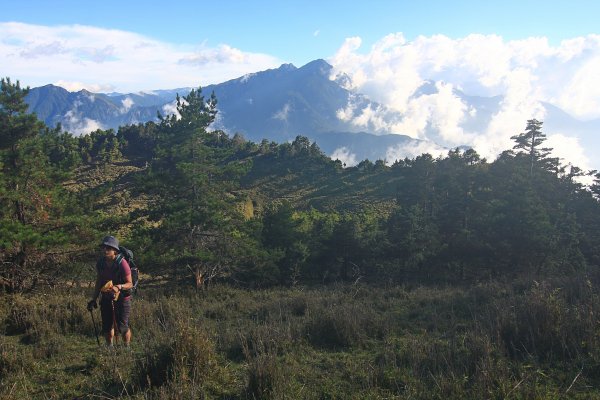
[(287, 67), (52, 88), (319, 65)]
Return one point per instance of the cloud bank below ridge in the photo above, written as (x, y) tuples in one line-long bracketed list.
[(525, 72)]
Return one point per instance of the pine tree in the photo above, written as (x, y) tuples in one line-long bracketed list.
[(15, 123), (595, 188), (530, 142), (194, 181), (34, 224)]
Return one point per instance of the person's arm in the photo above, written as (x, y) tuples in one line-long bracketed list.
[(126, 272), (92, 303), (128, 283), (97, 287)]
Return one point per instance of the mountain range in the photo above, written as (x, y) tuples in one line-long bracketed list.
[(279, 104)]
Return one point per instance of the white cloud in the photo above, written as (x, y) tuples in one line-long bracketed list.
[(345, 156), (171, 109), (88, 125), (518, 106), (526, 72), (120, 60), (282, 114), (223, 54), (447, 113), (75, 124), (369, 118), (430, 116), (246, 77), (412, 150), (219, 123), (582, 91), (388, 73), (127, 103), (77, 86), (568, 149)]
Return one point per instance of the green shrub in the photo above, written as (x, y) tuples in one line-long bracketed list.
[(265, 378), (39, 315), (183, 357), (335, 329), (153, 366), (13, 359), (544, 326)]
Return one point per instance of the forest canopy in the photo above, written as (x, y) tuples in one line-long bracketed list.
[(188, 198)]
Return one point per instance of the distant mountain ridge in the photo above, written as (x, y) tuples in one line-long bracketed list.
[(284, 102), (82, 111), (279, 104), (275, 104)]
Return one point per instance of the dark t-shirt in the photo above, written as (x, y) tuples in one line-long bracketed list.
[(108, 272)]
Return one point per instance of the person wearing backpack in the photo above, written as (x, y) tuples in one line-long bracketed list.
[(114, 284)]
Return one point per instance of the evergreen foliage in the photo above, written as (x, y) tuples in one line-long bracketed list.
[(530, 142), (38, 217), (194, 199)]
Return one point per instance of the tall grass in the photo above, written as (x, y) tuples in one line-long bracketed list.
[(523, 340)]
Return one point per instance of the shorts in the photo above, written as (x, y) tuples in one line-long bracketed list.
[(122, 310)]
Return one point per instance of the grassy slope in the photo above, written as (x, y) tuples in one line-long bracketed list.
[(313, 182), (303, 182)]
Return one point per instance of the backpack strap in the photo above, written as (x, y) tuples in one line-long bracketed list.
[(117, 267), (119, 262)]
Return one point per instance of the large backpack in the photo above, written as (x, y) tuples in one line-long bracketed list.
[(128, 255), (124, 253)]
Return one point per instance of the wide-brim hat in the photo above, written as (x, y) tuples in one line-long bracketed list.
[(110, 241)]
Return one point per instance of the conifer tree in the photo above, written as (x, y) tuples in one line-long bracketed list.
[(530, 142), (194, 183), (15, 122), (595, 188), (33, 203), (16, 126)]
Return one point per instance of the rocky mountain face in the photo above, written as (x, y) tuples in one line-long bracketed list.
[(276, 104), (281, 103)]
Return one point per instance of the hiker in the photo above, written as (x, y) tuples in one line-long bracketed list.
[(113, 282)]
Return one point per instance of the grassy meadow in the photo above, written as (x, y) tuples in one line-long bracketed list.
[(529, 340)]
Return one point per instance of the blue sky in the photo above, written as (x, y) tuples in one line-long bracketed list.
[(301, 31), (530, 52)]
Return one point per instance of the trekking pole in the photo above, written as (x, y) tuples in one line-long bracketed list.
[(95, 328), (116, 334)]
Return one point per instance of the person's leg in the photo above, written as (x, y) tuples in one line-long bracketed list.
[(127, 337), (106, 311), (109, 337), (123, 311)]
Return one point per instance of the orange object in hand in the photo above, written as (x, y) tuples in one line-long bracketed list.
[(108, 288)]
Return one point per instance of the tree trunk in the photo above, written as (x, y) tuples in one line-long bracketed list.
[(199, 279)]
